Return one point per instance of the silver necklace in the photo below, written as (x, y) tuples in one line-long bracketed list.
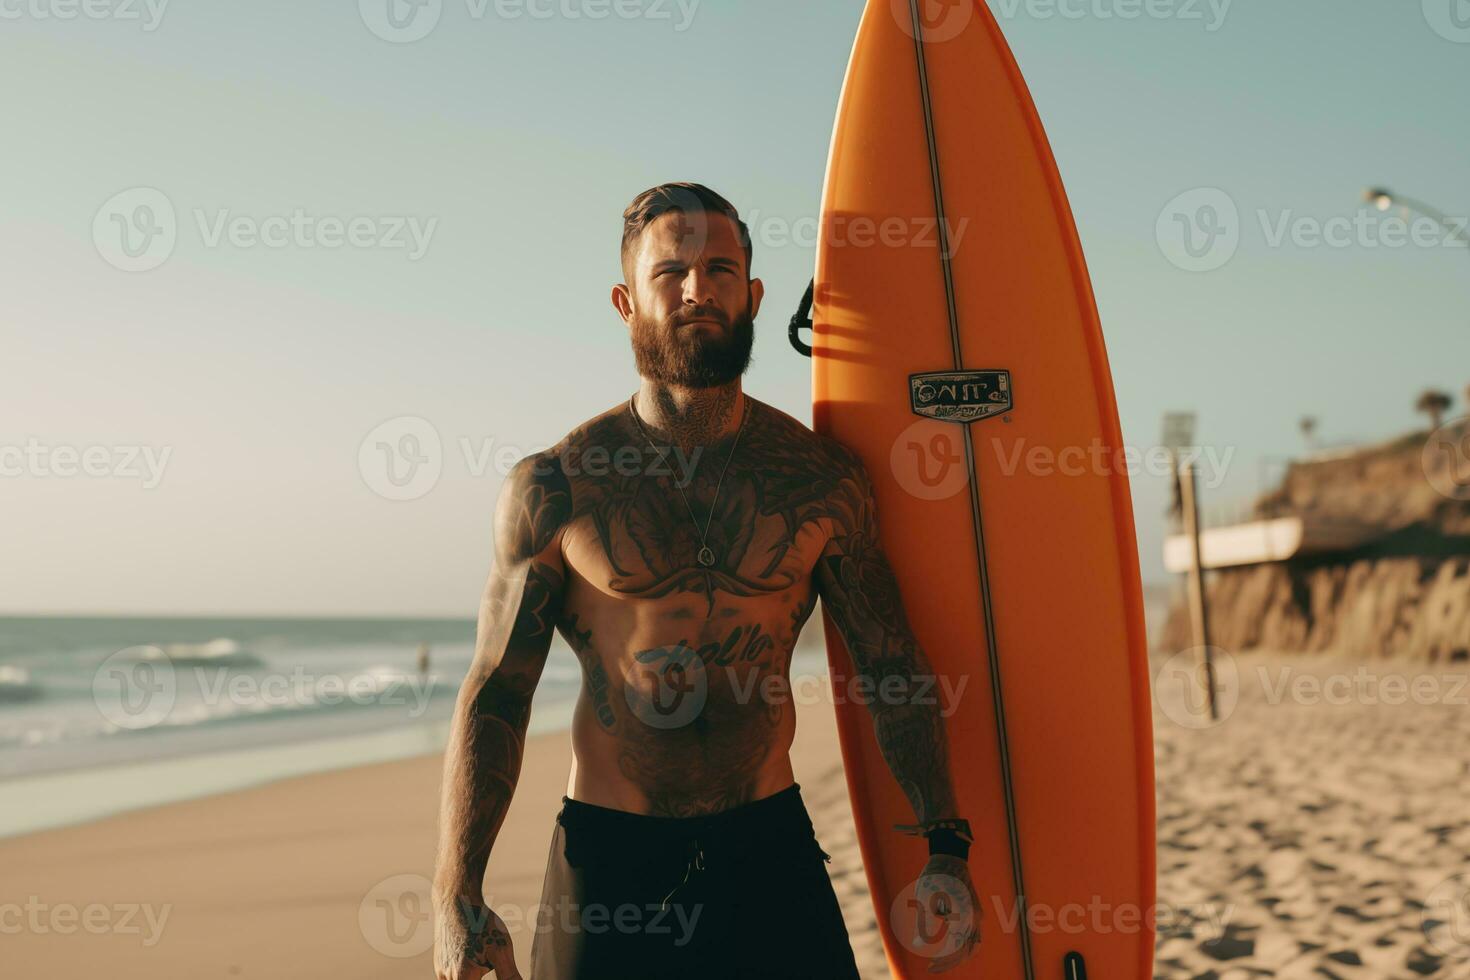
[(706, 555)]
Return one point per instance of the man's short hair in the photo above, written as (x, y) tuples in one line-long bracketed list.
[(682, 197)]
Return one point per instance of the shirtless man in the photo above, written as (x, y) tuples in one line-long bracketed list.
[(679, 542)]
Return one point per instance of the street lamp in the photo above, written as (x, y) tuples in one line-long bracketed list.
[(1383, 199)]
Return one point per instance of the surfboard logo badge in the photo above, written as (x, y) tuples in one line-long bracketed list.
[(960, 396)]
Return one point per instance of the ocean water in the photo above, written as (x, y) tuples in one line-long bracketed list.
[(100, 714)]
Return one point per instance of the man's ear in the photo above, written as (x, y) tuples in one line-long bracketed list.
[(757, 293), (622, 301)]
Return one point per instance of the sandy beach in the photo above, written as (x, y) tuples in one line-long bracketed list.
[(1319, 830), (323, 875)]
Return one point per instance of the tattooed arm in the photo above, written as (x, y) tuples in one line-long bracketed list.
[(517, 619), (860, 592)]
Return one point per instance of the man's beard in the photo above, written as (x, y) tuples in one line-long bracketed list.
[(688, 357)]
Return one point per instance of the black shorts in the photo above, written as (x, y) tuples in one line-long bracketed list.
[(742, 893)]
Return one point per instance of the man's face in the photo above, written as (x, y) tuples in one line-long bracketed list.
[(689, 303)]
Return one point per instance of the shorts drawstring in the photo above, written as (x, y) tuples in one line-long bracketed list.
[(695, 862)]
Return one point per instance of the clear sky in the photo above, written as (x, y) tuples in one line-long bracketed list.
[(511, 136)]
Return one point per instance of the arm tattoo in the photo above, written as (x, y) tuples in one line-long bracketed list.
[(859, 589), (517, 619)]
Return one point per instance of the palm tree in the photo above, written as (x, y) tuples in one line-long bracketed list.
[(1434, 403), (1308, 425)]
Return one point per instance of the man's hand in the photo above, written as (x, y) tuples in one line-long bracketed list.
[(945, 891), (470, 940)]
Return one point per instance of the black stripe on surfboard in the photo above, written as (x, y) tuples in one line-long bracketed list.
[(976, 519)]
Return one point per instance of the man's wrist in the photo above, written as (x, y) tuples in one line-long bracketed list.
[(949, 836), (456, 892), (943, 840)]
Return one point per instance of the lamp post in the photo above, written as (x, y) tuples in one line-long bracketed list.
[(1383, 199)]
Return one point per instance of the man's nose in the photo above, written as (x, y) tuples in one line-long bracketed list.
[(699, 288)]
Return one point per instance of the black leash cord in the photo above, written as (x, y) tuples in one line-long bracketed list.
[(802, 319)]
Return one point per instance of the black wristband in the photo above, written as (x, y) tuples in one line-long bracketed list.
[(942, 840)]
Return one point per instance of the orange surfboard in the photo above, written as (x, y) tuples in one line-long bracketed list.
[(956, 348)]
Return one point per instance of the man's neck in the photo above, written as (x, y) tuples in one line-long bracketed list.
[(689, 417)]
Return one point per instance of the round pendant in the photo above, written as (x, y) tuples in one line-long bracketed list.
[(707, 557)]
